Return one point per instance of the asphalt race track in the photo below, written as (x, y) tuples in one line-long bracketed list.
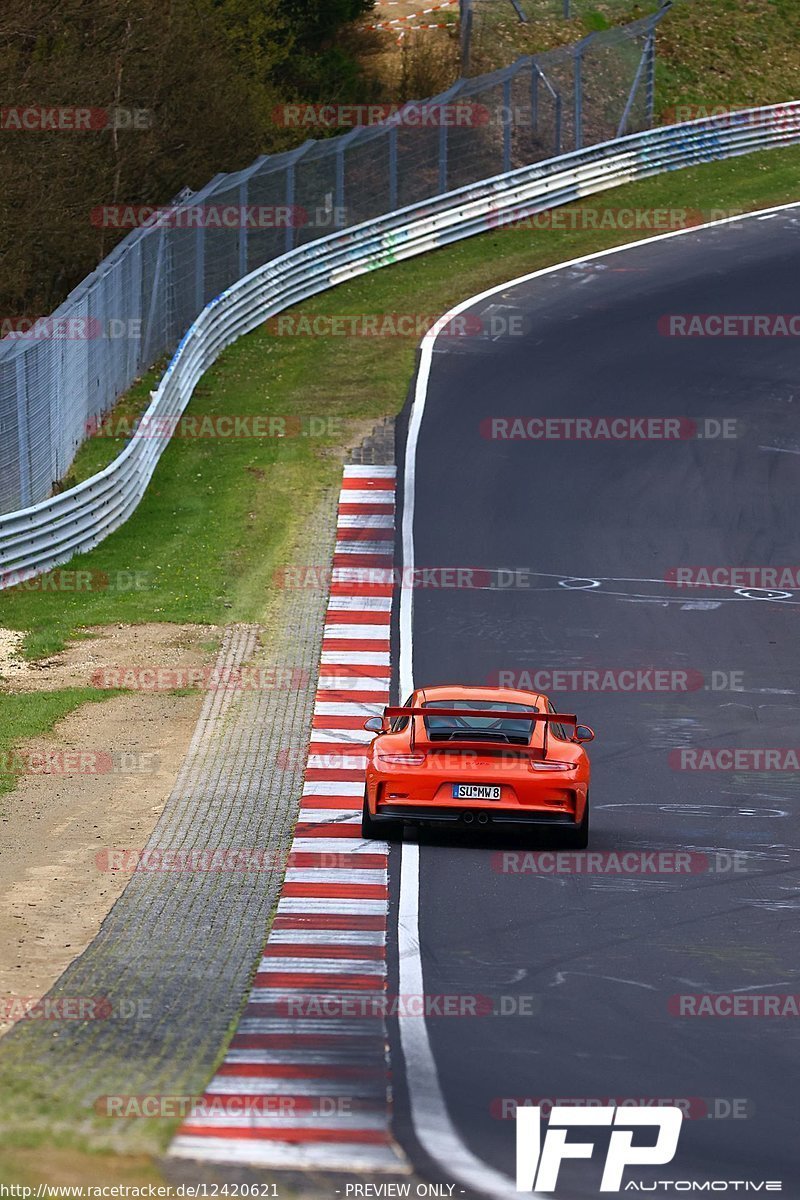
[(595, 528)]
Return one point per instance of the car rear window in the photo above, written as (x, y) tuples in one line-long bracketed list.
[(490, 729)]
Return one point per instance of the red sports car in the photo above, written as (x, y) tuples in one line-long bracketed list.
[(477, 756)]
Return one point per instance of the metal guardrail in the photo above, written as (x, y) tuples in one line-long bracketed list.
[(35, 539)]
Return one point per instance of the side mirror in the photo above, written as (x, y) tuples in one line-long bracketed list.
[(583, 733), (374, 724)]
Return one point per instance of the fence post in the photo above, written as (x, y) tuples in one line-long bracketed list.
[(340, 190), (21, 389), (577, 84), (445, 96), (647, 66), (465, 21), (507, 124), (566, 8), (155, 295), (199, 269), (289, 237), (650, 95), (338, 195), (242, 230), (534, 97), (626, 112), (442, 151), (577, 53), (290, 194), (393, 168)]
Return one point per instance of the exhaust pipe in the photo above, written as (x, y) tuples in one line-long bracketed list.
[(468, 818), (483, 818)]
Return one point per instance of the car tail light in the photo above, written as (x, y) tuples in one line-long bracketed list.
[(553, 765), (400, 760)]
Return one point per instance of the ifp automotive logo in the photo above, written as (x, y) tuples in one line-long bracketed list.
[(538, 1162)]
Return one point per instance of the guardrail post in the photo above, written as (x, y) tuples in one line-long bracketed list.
[(242, 230), (22, 431), (566, 8), (507, 125), (557, 138)]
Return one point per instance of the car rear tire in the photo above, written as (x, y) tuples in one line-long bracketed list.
[(578, 838), (387, 831)]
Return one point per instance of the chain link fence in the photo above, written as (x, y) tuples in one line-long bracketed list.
[(536, 10), (489, 27), (60, 377)]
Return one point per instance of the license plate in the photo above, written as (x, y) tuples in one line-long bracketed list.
[(475, 791)]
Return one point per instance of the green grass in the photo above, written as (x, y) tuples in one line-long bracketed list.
[(733, 52), (42, 1125), (32, 714), (221, 516)]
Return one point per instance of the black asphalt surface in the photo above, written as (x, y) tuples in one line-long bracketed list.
[(600, 956)]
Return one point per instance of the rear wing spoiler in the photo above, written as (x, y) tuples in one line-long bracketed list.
[(493, 714), (488, 713)]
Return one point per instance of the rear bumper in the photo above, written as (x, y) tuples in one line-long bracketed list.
[(550, 799), (472, 817)]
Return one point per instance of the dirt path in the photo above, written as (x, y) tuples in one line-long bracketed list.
[(125, 755)]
